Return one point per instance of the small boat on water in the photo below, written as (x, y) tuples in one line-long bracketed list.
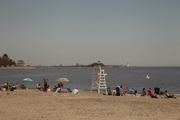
[(147, 76), (127, 65)]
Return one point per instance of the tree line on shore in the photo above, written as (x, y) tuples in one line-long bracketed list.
[(6, 61), (91, 65)]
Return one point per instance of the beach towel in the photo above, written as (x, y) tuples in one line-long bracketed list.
[(61, 90)]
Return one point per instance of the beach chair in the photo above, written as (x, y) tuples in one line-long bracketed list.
[(117, 91), (23, 87), (69, 90), (157, 91), (168, 95), (109, 91)]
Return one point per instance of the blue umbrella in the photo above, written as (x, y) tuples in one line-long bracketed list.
[(27, 80)]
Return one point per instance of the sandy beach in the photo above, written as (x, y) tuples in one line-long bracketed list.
[(36, 105)]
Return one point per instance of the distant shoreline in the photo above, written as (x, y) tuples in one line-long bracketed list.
[(17, 68)]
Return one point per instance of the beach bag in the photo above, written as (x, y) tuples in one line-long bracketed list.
[(131, 91), (75, 91), (117, 91)]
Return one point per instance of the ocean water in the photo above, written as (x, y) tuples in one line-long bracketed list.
[(166, 78)]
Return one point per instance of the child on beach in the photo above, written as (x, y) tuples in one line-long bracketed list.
[(143, 92), (151, 93), (45, 85), (135, 92), (39, 87)]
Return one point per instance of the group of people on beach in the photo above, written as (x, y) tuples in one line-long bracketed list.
[(8, 87), (45, 86), (41, 87), (153, 94), (58, 88), (120, 91)]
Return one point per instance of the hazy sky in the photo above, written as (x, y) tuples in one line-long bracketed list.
[(54, 32)]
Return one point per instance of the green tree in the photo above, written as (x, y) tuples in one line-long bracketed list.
[(1, 62), (20, 63), (6, 61), (97, 63), (12, 63)]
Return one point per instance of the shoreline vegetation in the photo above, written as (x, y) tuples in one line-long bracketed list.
[(17, 68), (34, 67)]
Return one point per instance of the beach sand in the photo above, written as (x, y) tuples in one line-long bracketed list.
[(36, 105)]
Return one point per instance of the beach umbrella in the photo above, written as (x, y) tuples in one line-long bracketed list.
[(27, 80), (62, 80)]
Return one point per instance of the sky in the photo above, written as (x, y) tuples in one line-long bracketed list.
[(115, 32)]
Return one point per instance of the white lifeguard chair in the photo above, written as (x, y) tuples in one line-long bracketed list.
[(98, 80)]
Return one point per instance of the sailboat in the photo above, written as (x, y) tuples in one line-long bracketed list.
[(147, 76), (127, 64)]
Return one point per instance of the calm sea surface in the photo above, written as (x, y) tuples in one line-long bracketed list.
[(166, 78)]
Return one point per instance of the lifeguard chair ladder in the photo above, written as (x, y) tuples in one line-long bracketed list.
[(98, 80)]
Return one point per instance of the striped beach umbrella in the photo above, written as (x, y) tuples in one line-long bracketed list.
[(27, 80), (62, 80)]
